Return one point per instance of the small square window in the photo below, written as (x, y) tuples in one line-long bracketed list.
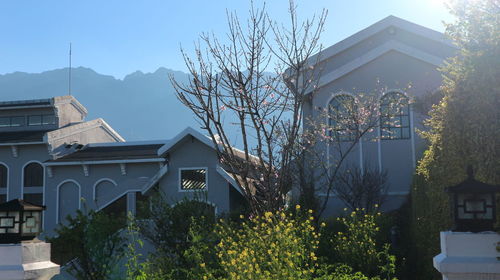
[(193, 179), (35, 120)]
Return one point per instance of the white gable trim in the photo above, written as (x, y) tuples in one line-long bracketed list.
[(376, 28), (80, 128), (125, 192), (188, 131), (229, 179), (111, 131), (376, 53), (163, 170)]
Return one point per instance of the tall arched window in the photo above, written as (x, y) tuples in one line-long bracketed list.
[(33, 175), (104, 191), (394, 116), (68, 199), (342, 118), (4, 174)]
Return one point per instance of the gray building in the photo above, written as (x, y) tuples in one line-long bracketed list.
[(398, 61), (115, 176), (50, 155), (32, 132)]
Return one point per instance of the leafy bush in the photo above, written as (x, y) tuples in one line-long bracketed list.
[(355, 244), (463, 128), (169, 229), (273, 246), (90, 243)]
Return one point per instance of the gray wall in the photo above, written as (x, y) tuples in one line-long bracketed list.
[(108, 178), (391, 71), (192, 153), (25, 154)]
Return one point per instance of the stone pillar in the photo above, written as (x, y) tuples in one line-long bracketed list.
[(468, 256), (26, 260)]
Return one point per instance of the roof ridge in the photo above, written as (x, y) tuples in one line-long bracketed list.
[(375, 28)]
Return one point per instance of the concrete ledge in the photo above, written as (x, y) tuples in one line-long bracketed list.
[(466, 255), (30, 260)]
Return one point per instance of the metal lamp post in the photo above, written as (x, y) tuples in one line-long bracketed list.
[(473, 205), (19, 221)]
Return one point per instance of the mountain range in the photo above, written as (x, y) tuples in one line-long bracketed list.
[(141, 106)]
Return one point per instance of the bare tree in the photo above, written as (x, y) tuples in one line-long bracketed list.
[(328, 141), (259, 79), (362, 188)]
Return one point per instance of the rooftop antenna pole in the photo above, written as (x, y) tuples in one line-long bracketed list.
[(69, 85)]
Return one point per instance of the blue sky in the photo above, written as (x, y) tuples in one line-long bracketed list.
[(119, 37)]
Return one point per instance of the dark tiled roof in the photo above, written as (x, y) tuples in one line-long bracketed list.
[(32, 102), (119, 152), (22, 136)]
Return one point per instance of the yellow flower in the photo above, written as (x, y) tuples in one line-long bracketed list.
[(310, 211), (297, 206), (202, 265), (323, 224)]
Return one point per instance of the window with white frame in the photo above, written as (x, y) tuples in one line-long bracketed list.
[(341, 118), (192, 179), (394, 116)]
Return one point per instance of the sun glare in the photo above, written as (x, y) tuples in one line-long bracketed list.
[(438, 3)]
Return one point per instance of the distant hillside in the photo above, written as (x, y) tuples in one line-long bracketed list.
[(142, 106)]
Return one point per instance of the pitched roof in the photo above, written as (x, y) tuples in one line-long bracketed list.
[(378, 51), (376, 28), (123, 151), (189, 131)]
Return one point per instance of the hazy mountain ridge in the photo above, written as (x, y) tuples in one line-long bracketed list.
[(142, 106)]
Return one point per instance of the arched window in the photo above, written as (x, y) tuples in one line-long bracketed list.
[(342, 118), (4, 173), (104, 191), (68, 199), (394, 116), (33, 175)]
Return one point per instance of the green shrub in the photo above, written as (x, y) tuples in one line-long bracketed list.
[(273, 246), (169, 230), (355, 244), (91, 243)]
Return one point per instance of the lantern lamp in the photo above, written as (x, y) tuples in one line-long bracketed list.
[(19, 221), (473, 204)]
